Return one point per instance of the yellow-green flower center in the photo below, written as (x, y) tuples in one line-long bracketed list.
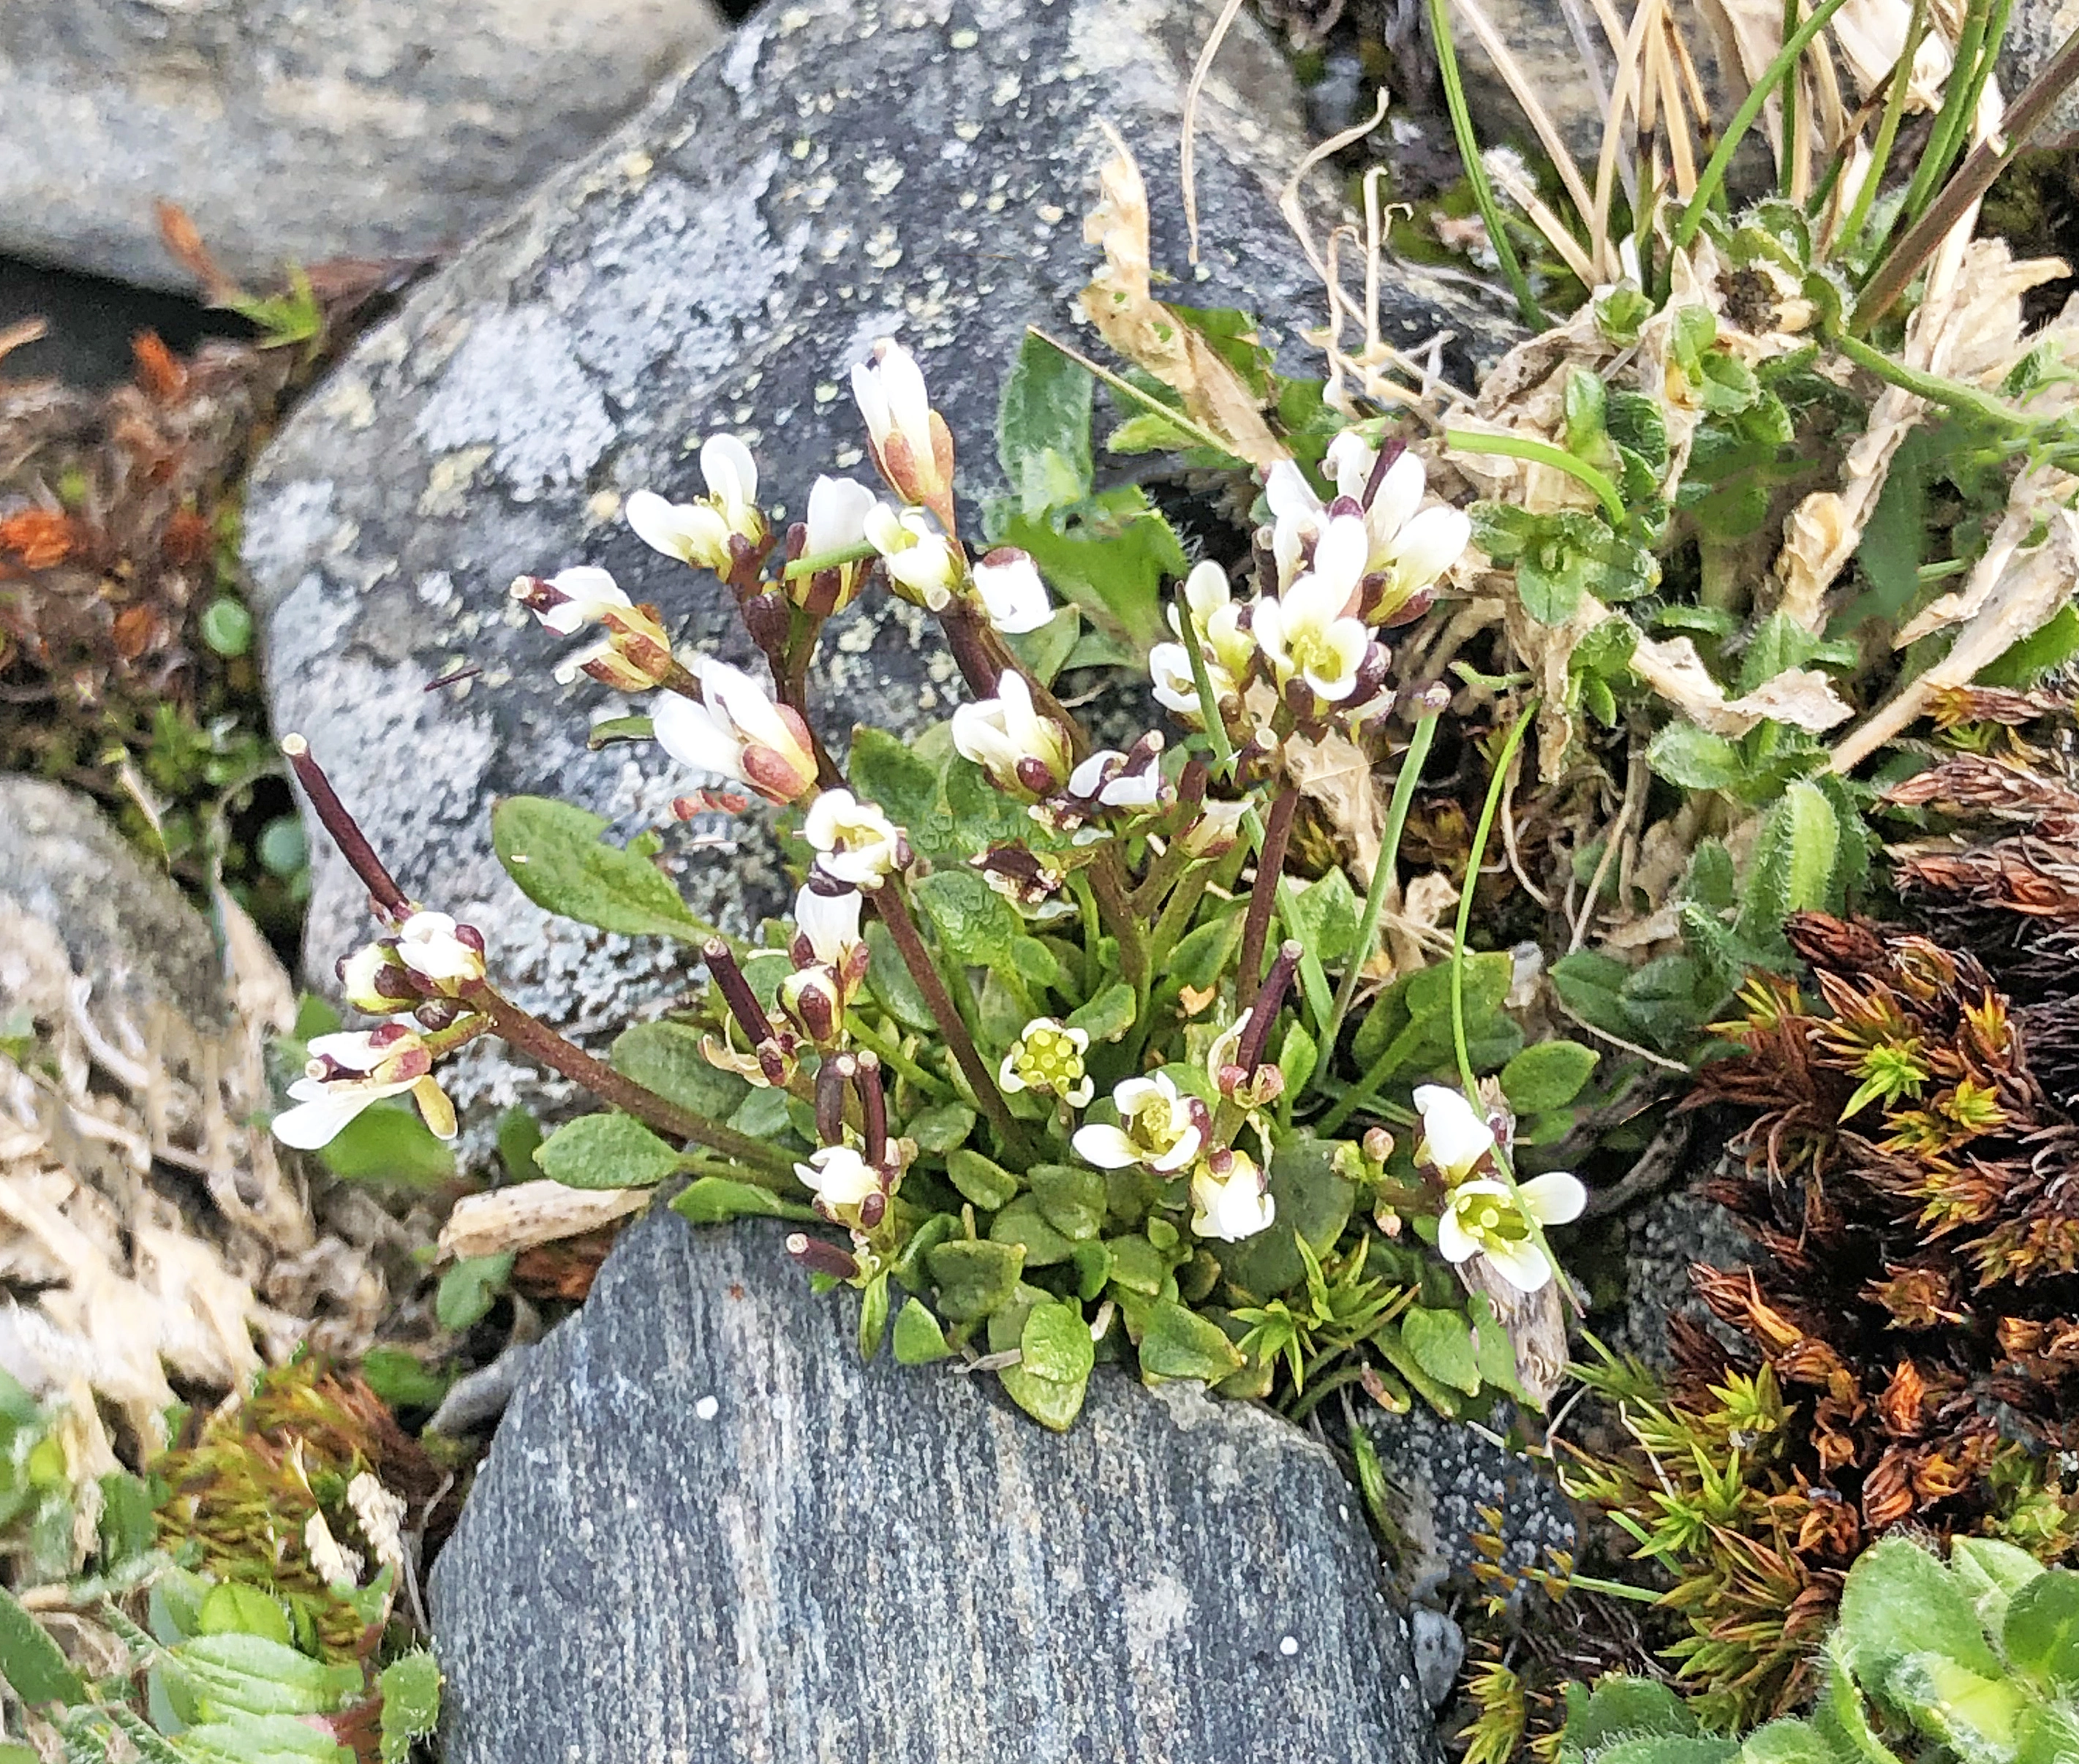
[(1048, 1060)]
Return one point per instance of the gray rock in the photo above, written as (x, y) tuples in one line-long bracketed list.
[(297, 131), (1440, 1650), (1662, 1238), (2035, 31), (72, 887), (706, 1531), (1447, 1484), (841, 172)]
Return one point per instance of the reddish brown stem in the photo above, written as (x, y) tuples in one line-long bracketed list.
[(1270, 866), (354, 846)]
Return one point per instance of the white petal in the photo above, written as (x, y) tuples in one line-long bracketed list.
[(1180, 1154), (1454, 1137), (1522, 1265), (838, 511), (1084, 779), (1133, 1095), (872, 400), (731, 473), (1014, 596), (1007, 1074), (1553, 1199), (747, 705), (691, 734), (354, 1049), (1206, 591), (1432, 542), (1339, 557), (1292, 497), (1107, 1147), (830, 922), (978, 735), (1453, 1242), (909, 403), (314, 1124), (1348, 461), (1398, 499), (1347, 640), (669, 526)]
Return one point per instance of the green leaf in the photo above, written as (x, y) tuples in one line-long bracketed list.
[(2041, 1631), (411, 1690), (1043, 429), (1024, 1224), (1046, 652), (606, 732), (552, 851), (396, 1376), (606, 1151), (1442, 1343), (1137, 1266), (666, 1058), (1108, 1016), (1548, 1075), (126, 1529), (873, 1315), (222, 1674), (1178, 1342), (1899, 1600), (2047, 1735), (1328, 911), (1787, 1742), (2043, 652), (1092, 1269), (35, 1668), (239, 1738), (1298, 1054), (885, 771), (1109, 556), (717, 1199), (387, 1142), (989, 1185), (973, 1279), (918, 1339), (1071, 1197), (944, 1128), (519, 1134), (1587, 983), (1975, 1715), (1628, 1708), (1313, 1199), (469, 1289), (1201, 954), (1055, 1344), (1794, 858), (1150, 432), (1990, 1571), (230, 1608), (893, 985), (1694, 759), (976, 926)]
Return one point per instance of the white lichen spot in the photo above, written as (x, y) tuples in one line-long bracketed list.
[(1051, 213), (795, 19), (967, 129), (447, 494), (1202, 272), (602, 506), (707, 1407), (825, 390), (436, 589), (1005, 90), (882, 252), (964, 38), (1155, 1613), (1289, 1645), (635, 166), (800, 148), (349, 403), (848, 457), (882, 175), (994, 205), (967, 199)]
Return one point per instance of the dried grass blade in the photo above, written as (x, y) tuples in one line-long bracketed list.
[(1525, 94), (1187, 156)]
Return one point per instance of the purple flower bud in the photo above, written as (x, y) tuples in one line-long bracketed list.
[(822, 1257)]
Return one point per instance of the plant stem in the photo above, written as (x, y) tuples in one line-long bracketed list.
[(891, 1055), (1952, 119), (1109, 886), (890, 902), (1488, 810), (1544, 454), (1743, 119), (1786, 170), (533, 1037), (1476, 171), (826, 560), (347, 834), (1902, 262), (1894, 110), (1383, 875), (1177, 914), (1270, 867)]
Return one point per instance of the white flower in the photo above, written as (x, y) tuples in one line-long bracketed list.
[(349, 1071), (1157, 1127), (836, 520), (1296, 516), (1409, 545), (370, 980), (1217, 830), (430, 944), (738, 731), (1455, 1137), (1232, 1202), (839, 1176), (1305, 632), (855, 841), (1169, 667), (1116, 781), (1481, 1218), (574, 598), (1048, 1059), (905, 433), (918, 557), (1216, 617), (829, 922), (699, 532), (1012, 593), (1023, 751)]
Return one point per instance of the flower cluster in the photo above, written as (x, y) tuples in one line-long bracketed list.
[(1484, 1214), (1339, 572)]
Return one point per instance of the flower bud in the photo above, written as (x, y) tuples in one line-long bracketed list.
[(1012, 593), (813, 1000), (912, 447), (1023, 753), (372, 979), (738, 730), (924, 567), (701, 533), (821, 1257), (565, 603)]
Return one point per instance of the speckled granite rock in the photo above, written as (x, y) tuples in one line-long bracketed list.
[(706, 1532), (2035, 32), (72, 886), (1446, 1479), (843, 171), (295, 131), (1662, 1238)]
